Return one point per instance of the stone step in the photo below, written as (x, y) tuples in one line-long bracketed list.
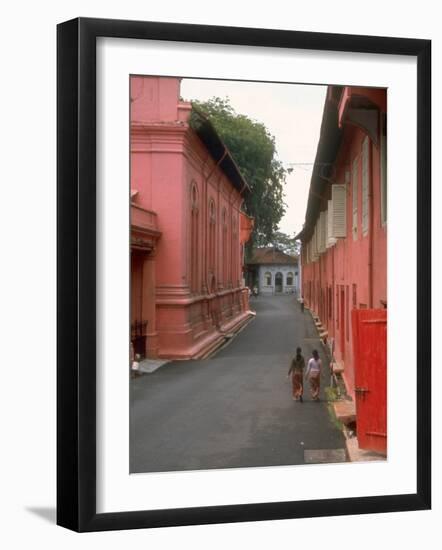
[(356, 454), (338, 367), (345, 411)]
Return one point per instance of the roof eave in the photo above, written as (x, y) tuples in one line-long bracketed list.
[(218, 150)]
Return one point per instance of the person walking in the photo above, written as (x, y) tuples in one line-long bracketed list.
[(313, 374), (297, 371)]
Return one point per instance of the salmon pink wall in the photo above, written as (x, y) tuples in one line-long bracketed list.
[(345, 267), (198, 265)]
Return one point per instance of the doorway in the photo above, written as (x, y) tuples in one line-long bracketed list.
[(342, 321), (278, 283)]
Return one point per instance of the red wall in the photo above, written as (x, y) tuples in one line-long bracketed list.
[(197, 285), (341, 279)]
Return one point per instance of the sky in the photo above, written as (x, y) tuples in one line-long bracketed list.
[(292, 113)]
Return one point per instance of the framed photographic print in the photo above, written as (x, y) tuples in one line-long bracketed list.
[(243, 274)]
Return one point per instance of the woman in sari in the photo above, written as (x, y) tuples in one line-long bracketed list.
[(313, 374), (297, 371)]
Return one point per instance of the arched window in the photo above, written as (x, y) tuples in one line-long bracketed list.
[(268, 278), (224, 262), (289, 279), (194, 238), (212, 236), (235, 252)]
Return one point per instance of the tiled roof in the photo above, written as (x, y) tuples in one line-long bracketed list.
[(270, 255)]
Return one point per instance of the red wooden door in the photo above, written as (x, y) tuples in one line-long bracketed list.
[(370, 360)]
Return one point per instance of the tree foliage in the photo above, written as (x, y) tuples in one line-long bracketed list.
[(253, 149), (286, 243)]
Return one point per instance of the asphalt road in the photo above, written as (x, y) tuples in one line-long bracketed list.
[(235, 409)]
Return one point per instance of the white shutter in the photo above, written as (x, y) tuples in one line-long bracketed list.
[(339, 211), (313, 245), (354, 190), (318, 237), (314, 242), (365, 184), (321, 231), (330, 239), (326, 228)]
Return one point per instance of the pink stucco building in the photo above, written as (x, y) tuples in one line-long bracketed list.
[(187, 227), (344, 248), (344, 253)]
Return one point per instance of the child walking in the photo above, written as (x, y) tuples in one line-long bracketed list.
[(313, 374), (297, 370)]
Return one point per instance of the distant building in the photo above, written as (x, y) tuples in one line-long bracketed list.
[(187, 227), (273, 271)]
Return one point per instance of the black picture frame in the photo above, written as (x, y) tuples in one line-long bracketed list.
[(76, 273)]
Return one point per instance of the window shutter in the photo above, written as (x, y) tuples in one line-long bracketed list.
[(318, 237), (330, 239), (324, 230), (312, 244), (321, 225), (354, 189), (315, 244), (365, 184), (339, 221), (326, 227)]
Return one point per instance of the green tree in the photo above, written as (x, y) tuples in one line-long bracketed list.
[(286, 243), (254, 151)]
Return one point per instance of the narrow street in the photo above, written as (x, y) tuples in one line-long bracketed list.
[(235, 409)]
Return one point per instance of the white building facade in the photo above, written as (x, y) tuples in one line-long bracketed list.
[(278, 279), (275, 272)]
